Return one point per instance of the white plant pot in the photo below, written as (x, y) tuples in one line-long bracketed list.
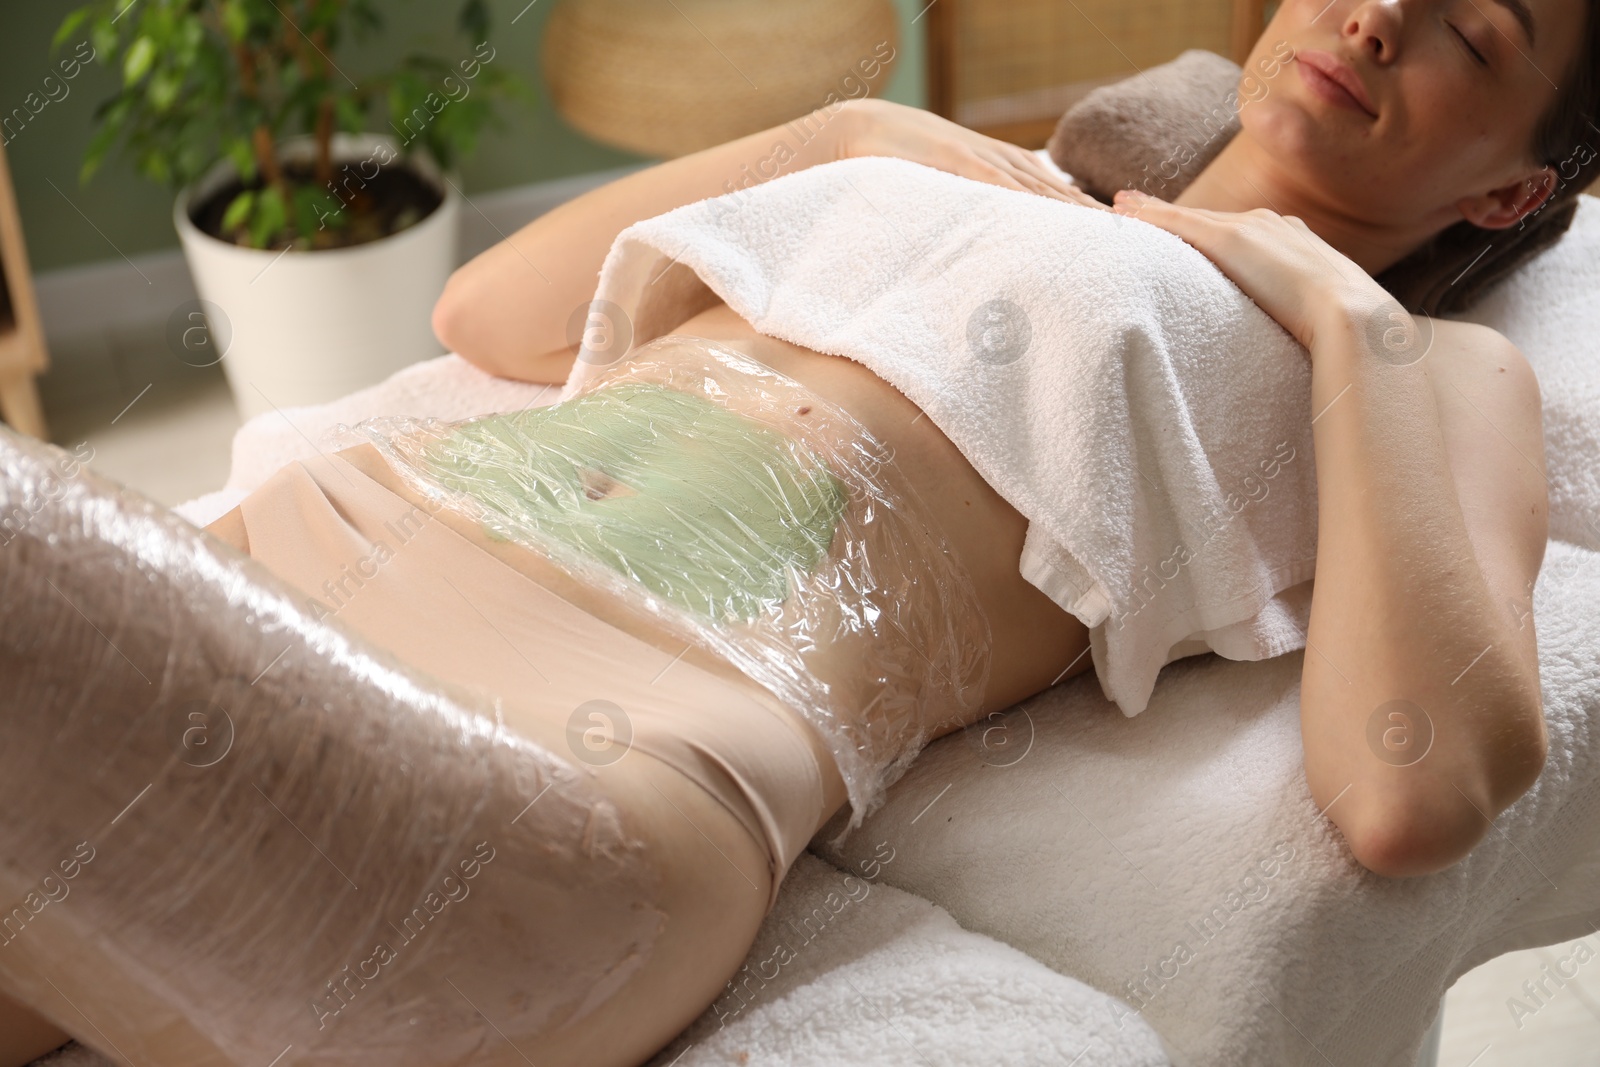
[(307, 327)]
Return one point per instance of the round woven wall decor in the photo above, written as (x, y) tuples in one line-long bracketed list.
[(669, 77)]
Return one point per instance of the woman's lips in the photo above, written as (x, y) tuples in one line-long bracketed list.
[(1327, 88)]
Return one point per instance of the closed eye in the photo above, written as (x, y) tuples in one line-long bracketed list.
[(1477, 55)]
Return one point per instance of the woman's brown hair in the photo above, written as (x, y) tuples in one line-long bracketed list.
[(1454, 267)]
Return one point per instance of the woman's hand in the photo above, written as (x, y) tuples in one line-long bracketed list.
[(872, 127), (1280, 263)]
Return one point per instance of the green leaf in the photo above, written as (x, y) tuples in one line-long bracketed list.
[(95, 154), (70, 25), (235, 23), (138, 60), (244, 160), (331, 213), (239, 210), (154, 166), (103, 35), (314, 209), (270, 217), (191, 35), (163, 89), (194, 158), (113, 110), (349, 114)]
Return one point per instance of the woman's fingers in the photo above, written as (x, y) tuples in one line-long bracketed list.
[(1134, 202), (1028, 173), (1045, 189), (1021, 178), (879, 128), (1026, 162), (1088, 201), (1048, 173), (1158, 212), (984, 170), (1285, 270)]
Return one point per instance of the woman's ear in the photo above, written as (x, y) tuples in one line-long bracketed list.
[(1510, 204)]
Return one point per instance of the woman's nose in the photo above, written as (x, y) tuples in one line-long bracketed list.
[(1376, 28)]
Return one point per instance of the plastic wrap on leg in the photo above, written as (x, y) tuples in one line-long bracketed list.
[(248, 832), (749, 516)]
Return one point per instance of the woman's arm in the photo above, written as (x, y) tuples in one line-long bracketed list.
[(508, 310), (1420, 702), (1420, 707)]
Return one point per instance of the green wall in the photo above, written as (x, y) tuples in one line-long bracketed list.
[(121, 213)]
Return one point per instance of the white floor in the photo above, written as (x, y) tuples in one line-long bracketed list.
[(171, 442), (173, 445), (1491, 1020)]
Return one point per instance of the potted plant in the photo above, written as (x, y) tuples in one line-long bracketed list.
[(317, 246)]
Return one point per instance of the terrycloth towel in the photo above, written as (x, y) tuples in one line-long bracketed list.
[(847, 969), (447, 387), (1178, 860), (1154, 131), (1150, 420)]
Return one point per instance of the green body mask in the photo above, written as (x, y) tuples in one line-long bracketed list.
[(704, 507)]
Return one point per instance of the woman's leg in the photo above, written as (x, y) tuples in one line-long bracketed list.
[(249, 836)]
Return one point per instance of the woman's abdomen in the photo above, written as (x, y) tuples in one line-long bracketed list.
[(1035, 642)]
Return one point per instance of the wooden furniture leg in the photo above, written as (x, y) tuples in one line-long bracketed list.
[(22, 345), (19, 405)]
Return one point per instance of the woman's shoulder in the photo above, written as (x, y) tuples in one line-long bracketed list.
[(1491, 415), (1475, 355), (1482, 339)]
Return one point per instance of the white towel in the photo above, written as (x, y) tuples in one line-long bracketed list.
[(849, 970), (1179, 862), (447, 387), (1150, 420)]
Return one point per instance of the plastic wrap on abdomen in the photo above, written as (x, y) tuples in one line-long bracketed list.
[(749, 516)]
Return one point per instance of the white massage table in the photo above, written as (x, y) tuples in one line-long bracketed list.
[(1009, 891)]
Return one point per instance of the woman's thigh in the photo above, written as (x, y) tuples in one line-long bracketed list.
[(659, 733), (713, 895), (604, 916), (708, 909)]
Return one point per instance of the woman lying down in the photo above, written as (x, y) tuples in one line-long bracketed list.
[(497, 747)]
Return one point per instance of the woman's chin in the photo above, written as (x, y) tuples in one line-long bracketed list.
[(1304, 141)]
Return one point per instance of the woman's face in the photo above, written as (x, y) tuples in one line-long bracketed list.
[(1439, 128)]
